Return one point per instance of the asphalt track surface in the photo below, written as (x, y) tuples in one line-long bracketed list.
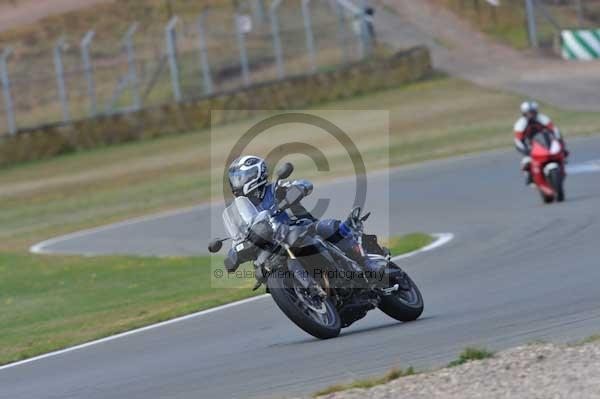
[(517, 271)]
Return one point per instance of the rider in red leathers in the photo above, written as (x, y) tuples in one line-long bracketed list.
[(528, 125)]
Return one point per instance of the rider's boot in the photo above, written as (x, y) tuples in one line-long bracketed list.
[(368, 264), (526, 168), (528, 179), (373, 270), (340, 234)]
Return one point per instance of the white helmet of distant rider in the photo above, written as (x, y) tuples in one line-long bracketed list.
[(529, 109)]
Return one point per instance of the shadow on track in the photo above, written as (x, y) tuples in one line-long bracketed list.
[(580, 198), (390, 324)]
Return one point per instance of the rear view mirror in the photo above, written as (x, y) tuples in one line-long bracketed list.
[(284, 171), (215, 245), (293, 195)]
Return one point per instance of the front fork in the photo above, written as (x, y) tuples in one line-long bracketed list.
[(301, 274), (541, 174), (359, 240)]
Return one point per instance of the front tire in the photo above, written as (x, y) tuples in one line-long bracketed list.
[(556, 179), (403, 305), (546, 199), (322, 323)]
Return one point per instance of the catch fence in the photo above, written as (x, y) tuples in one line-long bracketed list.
[(190, 56)]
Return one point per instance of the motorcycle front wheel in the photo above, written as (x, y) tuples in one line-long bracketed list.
[(315, 315), (546, 199), (404, 304), (556, 180)]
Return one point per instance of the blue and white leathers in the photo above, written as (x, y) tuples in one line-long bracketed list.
[(332, 230), (269, 203)]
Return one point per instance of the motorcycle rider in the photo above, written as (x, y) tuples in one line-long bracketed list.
[(248, 177), (527, 126)]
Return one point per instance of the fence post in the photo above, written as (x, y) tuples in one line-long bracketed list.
[(360, 25), (259, 10), (60, 78), (131, 66), (170, 36), (580, 20), (276, 38), (88, 71), (241, 39), (531, 23), (8, 103), (365, 30), (206, 76), (310, 43), (342, 30)]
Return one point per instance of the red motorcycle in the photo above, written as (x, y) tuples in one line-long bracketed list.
[(548, 166)]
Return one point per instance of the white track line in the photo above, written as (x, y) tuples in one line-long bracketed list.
[(586, 167), (40, 248), (592, 166), (441, 239), (131, 332)]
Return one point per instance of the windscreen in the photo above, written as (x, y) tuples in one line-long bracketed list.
[(238, 217), (544, 139)]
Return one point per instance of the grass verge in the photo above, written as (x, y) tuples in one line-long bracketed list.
[(391, 375), (507, 22), (588, 340), (52, 302), (471, 354), (408, 243), (468, 355)]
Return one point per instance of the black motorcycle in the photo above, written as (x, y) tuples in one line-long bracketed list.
[(315, 284)]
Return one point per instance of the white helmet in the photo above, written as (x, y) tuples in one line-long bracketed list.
[(529, 107), (248, 177)]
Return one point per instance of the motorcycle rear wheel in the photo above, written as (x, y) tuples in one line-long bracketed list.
[(321, 320), (403, 305)]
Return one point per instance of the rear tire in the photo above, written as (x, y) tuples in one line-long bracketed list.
[(561, 195), (283, 293), (398, 307)]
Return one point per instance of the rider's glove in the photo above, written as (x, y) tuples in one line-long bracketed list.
[(280, 191), (346, 228)]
